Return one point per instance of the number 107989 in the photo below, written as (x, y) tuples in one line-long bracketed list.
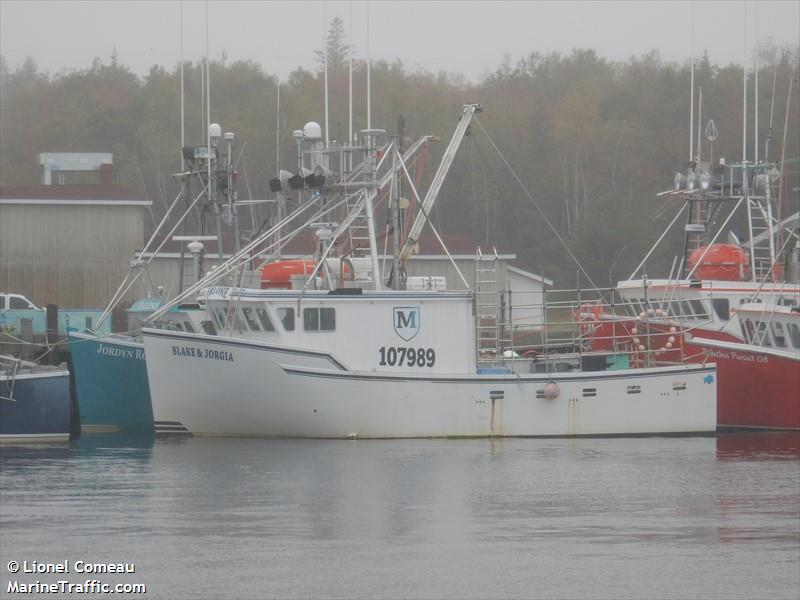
[(401, 356)]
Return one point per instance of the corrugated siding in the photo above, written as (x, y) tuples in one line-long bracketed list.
[(73, 256)]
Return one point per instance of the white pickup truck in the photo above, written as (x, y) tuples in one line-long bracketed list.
[(16, 302), (15, 307)]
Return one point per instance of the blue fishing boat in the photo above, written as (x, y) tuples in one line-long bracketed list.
[(34, 402), (110, 382), (110, 374)]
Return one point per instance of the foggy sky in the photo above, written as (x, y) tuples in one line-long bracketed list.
[(467, 37)]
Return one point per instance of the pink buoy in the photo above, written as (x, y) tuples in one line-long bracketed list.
[(551, 390)]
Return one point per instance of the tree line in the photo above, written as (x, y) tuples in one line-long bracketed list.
[(592, 140)]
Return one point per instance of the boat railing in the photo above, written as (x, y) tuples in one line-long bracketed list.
[(546, 331)]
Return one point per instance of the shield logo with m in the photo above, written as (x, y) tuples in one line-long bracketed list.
[(406, 321)]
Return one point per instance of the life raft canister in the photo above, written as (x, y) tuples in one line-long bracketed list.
[(720, 262), (278, 275)]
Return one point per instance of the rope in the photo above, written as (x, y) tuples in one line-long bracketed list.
[(538, 208)]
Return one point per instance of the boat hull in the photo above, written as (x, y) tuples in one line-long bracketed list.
[(758, 388), (236, 387), (35, 407), (111, 383)]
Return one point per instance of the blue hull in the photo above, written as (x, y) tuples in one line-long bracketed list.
[(110, 383), (35, 407)]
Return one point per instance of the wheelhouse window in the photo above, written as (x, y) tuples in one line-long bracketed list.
[(286, 315), (778, 335), (250, 318), (699, 309), (221, 317), (762, 334), (722, 308), (208, 327), (794, 334), (263, 317), (226, 318), (750, 330), (319, 319)]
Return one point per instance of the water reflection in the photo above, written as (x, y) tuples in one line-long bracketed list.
[(699, 516), (777, 445)]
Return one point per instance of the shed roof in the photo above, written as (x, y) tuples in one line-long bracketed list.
[(71, 194)]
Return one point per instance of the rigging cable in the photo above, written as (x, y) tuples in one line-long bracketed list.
[(536, 205)]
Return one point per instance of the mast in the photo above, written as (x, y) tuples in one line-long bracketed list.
[(369, 85), (183, 127), (699, 122), (755, 81), (744, 103), (395, 216), (210, 188), (278, 132), (771, 114), (691, 114), (325, 42), (691, 94), (183, 143), (783, 156), (349, 165)]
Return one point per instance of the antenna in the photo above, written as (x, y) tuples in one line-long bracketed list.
[(350, 80), (771, 114), (183, 126), (691, 100), (325, 42), (744, 104), (278, 133), (369, 91), (699, 122), (755, 79)]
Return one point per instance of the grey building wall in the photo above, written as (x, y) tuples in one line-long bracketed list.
[(72, 255)]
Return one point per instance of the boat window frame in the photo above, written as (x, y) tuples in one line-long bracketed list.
[(793, 332), (250, 319), (699, 308), (208, 327), (778, 334), (686, 309), (187, 326), (762, 331), (314, 324), (283, 313), (266, 321), (750, 330), (220, 316), (722, 308)]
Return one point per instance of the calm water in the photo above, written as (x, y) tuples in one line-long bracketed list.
[(697, 517)]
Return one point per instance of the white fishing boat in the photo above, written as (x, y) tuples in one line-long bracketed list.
[(393, 364), (357, 359)]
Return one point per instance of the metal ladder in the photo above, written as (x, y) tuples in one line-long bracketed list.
[(696, 232), (358, 231), (762, 240), (487, 322)]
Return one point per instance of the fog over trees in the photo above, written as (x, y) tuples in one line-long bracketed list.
[(593, 140)]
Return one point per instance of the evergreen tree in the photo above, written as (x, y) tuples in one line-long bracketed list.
[(338, 51)]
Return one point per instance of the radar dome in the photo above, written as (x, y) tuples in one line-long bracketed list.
[(312, 131)]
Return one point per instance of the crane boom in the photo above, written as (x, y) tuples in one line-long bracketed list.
[(433, 191)]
